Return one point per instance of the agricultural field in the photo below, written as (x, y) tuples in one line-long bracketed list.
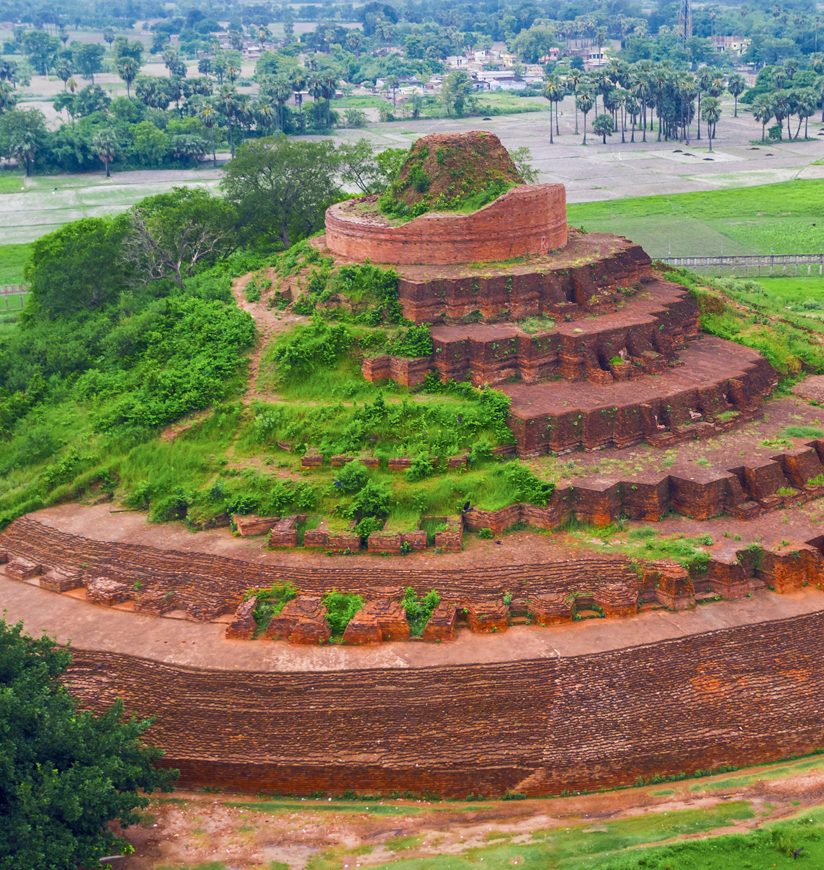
[(780, 218), (45, 202)]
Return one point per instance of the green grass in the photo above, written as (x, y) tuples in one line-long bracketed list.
[(789, 345), (647, 544), (587, 846), (798, 300), (333, 806), (10, 182), (13, 259), (767, 219)]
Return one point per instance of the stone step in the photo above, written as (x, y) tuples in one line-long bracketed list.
[(718, 385), (642, 336)]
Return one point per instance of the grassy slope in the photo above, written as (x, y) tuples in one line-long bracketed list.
[(767, 219)]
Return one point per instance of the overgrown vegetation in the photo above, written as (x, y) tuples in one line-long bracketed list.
[(340, 608), (419, 608), (269, 603), (67, 773), (449, 177), (790, 347)]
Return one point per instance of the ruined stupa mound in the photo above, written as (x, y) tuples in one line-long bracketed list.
[(451, 172), (467, 203)]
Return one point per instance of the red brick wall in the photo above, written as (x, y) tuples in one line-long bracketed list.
[(736, 696), (526, 220)]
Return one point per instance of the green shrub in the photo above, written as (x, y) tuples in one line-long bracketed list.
[(340, 608), (415, 341), (269, 604), (421, 467), (526, 486), (316, 344), (351, 478), (419, 609), (486, 533), (372, 500)]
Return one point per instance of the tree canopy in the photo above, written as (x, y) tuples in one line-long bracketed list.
[(65, 774)]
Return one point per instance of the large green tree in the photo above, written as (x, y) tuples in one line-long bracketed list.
[(282, 188), (173, 234), (65, 774), (23, 136), (76, 268)]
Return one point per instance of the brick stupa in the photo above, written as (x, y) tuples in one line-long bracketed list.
[(593, 345)]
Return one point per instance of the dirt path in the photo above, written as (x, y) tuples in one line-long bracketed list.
[(269, 322), (249, 833)]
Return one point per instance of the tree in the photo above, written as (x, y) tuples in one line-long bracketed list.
[(67, 773), (456, 90), (41, 49), (8, 98), (88, 59), (22, 136), (89, 100), (554, 91), (173, 234), (711, 112), (105, 146), (127, 69), (282, 188), (64, 69), (369, 173), (762, 111), (585, 103), (604, 126), (76, 267), (736, 85)]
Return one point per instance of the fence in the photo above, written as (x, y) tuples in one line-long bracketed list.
[(795, 265), (12, 298)]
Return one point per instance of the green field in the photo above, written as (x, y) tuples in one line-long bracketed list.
[(785, 218), (10, 182), (13, 259), (799, 300)]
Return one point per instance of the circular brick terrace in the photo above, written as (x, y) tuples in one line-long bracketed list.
[(529, 220)]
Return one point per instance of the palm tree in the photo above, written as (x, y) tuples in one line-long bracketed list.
[(711, 112), (762, 111), (63, 70), (604, 126), (573, 82), (127, 69), (736, 85), (554, 92), (585, 104), (104, 144)]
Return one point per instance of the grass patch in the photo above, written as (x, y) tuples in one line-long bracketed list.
[(648, 545), (13, 259), (586, 846), (403, 844), (269, 604), (789, 346), (765, 219), (332, 806), (10, 182)]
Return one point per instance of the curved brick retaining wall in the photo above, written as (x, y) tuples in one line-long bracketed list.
[(527, 220), (736, 696)]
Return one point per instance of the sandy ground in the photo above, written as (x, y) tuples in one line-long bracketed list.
[(199, 827), (616, 170)]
